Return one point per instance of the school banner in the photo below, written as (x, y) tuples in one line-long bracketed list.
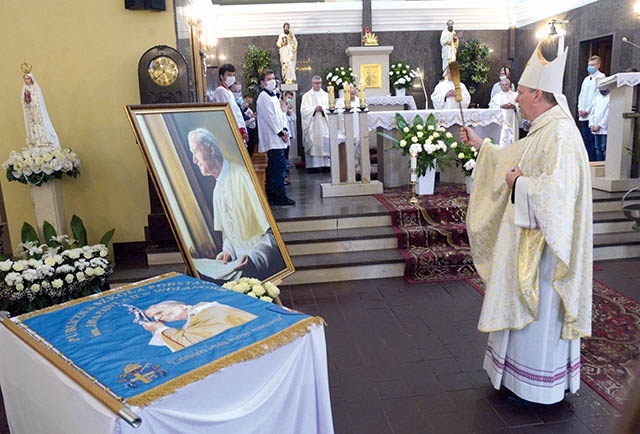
[(143, 341)]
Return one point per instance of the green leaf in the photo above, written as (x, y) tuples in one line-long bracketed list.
[(48, 231), (387, 136), (431, 121), (106, 238), (79, 231), (400, 122), (28, 233), (417, 121)]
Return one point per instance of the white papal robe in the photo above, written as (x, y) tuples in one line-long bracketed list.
[(315, 128), (442, 102), (535, 258)]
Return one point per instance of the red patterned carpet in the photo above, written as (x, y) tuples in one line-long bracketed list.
[(432, 235), (608, 357)]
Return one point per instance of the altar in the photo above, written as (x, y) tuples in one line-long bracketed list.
[(393, 168), (283, 389)]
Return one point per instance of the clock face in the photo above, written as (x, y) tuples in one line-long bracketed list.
[(163, 70)]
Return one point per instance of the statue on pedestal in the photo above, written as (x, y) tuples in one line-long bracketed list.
[(40, 132), (288, 47), (449, 41)]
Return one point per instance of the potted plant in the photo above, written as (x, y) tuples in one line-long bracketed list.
[(474, 64), (426, 142), (401, 75), (255, 61)]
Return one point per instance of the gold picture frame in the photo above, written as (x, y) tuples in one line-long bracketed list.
[(371, 75), (243, 226)]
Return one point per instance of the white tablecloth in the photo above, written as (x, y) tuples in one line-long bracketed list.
[(392, 100), (285, 391), (446, 118)]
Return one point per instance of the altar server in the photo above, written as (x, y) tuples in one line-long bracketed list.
[(531, 239)]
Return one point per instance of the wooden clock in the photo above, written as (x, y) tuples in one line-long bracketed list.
[(162, 76)]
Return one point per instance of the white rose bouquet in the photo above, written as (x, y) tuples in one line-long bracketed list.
[(429, 142), (37, 165), (465, 157), (62, 269), (265, 291), (340, 75), (401, 75)]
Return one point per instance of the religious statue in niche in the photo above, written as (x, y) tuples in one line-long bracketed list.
[(369, 39), (288, 48), (40, 132)]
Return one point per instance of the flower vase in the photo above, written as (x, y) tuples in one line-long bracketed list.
[(426, 182), (467, 181), (401, 92)]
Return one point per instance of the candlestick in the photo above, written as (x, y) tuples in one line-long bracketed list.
[(332, 97), (347, 96)]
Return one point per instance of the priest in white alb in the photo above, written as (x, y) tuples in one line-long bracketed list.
[(506, 100), (530, 228), (315, 128), (444, 95)]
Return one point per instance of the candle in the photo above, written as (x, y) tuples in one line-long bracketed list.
[(332, 97), (414, 165), (361, 96), (347, 96)]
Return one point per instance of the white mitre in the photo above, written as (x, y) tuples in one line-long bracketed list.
[(541, 74)]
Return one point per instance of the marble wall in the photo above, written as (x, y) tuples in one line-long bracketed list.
[(318, 52), (604, 18)]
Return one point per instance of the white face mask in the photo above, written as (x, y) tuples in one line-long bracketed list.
[(271, 85), (502, 77), (230, 80)]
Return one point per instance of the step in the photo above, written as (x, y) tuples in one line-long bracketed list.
[(616, 245), (340, 240), (336, 267), (611, 222), (612, 201), (333, 222)]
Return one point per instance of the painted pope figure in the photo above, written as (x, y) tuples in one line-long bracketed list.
[(202, 321), (249, 247), (530, 229)]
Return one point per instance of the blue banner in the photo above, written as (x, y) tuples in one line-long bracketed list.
[(138, 339)]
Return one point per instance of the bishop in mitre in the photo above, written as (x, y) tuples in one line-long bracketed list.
[(315, 128), (530, 228)]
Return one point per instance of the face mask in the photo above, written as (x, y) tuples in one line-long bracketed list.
[(289, 100), (229, 80), (502, 77), (271, 85), (239, 101), (591, 69), (450, 28)]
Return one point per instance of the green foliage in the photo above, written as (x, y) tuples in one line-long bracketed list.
[(51, 238), (255, 61), (474, 66)]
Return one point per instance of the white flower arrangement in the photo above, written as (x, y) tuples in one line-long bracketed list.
[(265, 291), (41, 275), (466, 156), (340, 75), (37, 165), (401, 75)]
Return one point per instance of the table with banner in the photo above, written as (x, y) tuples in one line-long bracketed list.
[(236, 364), (393, 168)]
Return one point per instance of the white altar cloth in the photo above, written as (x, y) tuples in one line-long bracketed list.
[(392, 101), (285, 391), (446, 118)]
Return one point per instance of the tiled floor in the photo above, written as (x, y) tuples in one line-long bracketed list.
[(407, 358)]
